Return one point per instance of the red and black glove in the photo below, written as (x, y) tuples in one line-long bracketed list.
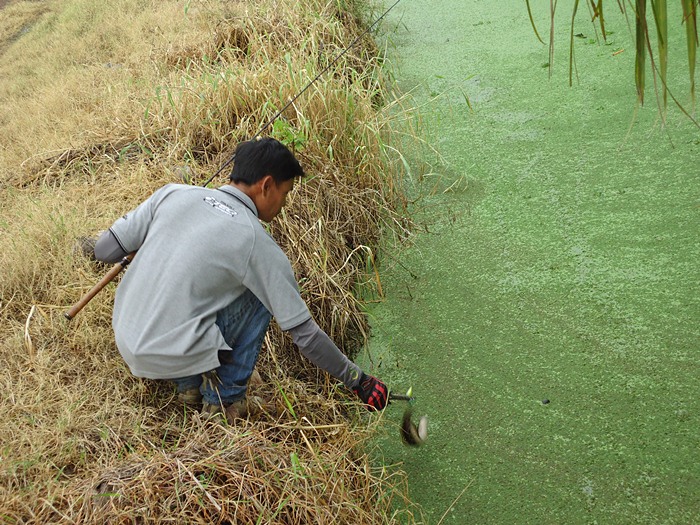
[(372, 392)]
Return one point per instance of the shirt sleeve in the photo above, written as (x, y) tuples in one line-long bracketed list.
[(131, 229), (108, 250), (317, 347), (269, 275)]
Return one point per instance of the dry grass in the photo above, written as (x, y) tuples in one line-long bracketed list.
[(105, 102)]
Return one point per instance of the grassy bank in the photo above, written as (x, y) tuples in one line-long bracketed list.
[(100, 104)]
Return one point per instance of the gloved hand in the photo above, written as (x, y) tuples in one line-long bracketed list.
[(372, 392)]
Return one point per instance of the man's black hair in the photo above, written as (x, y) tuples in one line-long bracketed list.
[(266, 156)]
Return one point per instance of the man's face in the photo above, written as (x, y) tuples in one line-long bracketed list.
[(273, 197)]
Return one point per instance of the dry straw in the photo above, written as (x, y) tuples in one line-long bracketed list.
[(103, 102)]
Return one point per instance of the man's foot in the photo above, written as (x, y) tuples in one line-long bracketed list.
[(240, 409), (191, 397)]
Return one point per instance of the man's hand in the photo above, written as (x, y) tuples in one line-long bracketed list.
[(372, 392)]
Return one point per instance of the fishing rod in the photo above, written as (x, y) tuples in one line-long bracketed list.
[(401, 397), (307, 86), (117, 268)]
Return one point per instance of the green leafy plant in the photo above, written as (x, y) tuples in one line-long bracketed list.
[(293, 138), (643, 17)]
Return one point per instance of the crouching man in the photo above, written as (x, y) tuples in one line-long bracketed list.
[(197, 299)]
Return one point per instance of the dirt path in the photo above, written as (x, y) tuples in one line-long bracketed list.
[(18, 21), (565, 271)]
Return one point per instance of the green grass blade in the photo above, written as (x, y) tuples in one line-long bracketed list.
[(571, 44), (552, 10), (623, 10), (640, 59), (661, 18), (532, 21), (288, 403), (691, 31), (601, 17)]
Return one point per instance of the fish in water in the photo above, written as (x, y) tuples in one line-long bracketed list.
[(411, 433)]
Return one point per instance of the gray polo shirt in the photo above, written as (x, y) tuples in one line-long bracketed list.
[(212, 242)]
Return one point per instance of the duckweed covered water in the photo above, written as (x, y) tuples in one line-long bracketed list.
[(561, 265)]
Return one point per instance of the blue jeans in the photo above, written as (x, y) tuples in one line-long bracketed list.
[(243, 324)]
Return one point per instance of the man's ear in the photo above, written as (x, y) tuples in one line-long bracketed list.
[(266, 183)]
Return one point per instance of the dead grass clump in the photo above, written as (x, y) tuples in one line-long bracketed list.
[(106, 102), (284, 469)]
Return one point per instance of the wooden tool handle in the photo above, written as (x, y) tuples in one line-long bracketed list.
[(109, 277)]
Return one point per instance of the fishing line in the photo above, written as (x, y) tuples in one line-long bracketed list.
[(295, 97), (117, 268)]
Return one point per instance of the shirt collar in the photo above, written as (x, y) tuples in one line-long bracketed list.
[(238, 194)]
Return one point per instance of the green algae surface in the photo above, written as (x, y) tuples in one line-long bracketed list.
[(547, 315)]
